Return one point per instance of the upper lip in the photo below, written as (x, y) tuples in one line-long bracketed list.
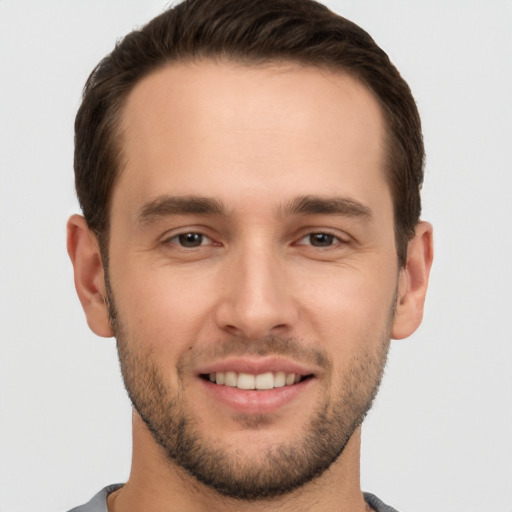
[(257, 365)]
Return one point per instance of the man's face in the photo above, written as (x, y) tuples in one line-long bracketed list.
[(252, 244)]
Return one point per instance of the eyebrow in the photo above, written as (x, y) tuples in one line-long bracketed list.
[(319, 205), (165, 206)]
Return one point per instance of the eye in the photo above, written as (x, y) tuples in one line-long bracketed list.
[(320, 240), (189, 240)]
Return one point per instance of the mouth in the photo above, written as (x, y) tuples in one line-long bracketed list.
[(259, 382), (262, 385)]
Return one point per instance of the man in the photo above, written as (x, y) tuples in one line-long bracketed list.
[(249, 174)]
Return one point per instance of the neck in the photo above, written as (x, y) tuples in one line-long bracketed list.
[(155, 483)]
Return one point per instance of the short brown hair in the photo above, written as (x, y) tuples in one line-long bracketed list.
[(252, 32)]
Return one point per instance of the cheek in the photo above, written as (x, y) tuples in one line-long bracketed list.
[(160, 310), (352, 307), (354, 328)]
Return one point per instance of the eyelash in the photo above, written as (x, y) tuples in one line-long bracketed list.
[(332, 239), (180, 240)]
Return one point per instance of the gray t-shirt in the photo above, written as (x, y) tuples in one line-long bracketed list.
[(99, 502)]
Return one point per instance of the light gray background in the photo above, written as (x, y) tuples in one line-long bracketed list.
[(439, 437)]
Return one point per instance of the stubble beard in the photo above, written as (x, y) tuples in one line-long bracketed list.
[(280, 468)]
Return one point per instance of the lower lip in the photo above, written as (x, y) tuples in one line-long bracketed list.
[(256, 401)]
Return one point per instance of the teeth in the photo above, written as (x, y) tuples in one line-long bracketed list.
[(290, 379), (245, 381), (230, 379), (262, 381), (279, 379)]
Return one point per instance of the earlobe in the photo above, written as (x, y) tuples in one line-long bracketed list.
[(413, 282), (85, 255)]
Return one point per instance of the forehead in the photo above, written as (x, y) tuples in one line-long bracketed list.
[(225, 126)]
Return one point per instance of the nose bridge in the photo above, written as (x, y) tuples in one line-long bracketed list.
[(257, 301)]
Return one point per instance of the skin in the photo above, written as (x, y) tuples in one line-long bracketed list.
[(254, 139)]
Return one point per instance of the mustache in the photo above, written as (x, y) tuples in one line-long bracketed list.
[(267, 346)]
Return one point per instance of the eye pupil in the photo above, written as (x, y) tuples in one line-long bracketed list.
[(321, 239), (191, 239)]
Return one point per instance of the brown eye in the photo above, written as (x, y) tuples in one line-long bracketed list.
[(321, 239), (189, 240)]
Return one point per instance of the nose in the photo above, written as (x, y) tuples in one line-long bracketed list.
[(256, 298)]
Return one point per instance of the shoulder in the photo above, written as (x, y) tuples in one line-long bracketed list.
[(377, 504), (99, 502)]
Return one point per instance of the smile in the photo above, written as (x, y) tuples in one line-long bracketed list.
[(261, 381)]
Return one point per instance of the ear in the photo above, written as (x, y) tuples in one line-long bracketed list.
[(83, 249), (412, 282)]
